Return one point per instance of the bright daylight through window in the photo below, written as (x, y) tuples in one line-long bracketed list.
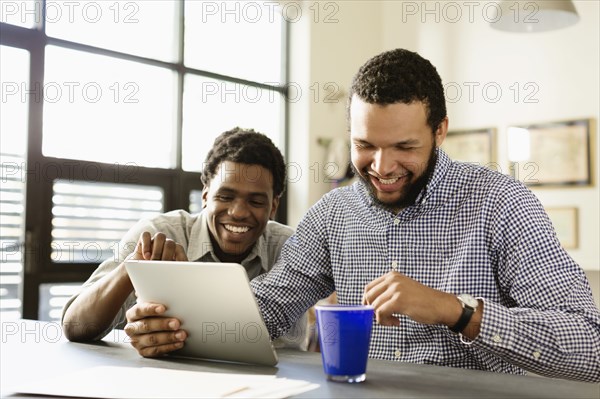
[(108, 110)]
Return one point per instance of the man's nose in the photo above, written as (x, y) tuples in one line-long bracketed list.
[(383, 163), (239, 209)]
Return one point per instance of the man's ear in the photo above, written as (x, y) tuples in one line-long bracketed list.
[(204, 196), (274, 207), (441, 132)]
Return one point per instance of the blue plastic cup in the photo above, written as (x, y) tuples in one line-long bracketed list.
[(344, 337)]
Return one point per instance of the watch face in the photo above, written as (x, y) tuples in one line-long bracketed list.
[(469, 300)]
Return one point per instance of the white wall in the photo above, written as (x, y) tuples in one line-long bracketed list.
[(562, 65), (328, 46)]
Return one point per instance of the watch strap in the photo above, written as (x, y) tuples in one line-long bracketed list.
[(464, 319)]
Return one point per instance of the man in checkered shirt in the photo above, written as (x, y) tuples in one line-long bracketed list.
[(461, 263)]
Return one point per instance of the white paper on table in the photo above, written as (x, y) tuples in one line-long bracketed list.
[(146, 382), (278, 388)]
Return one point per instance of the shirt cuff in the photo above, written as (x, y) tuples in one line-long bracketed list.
[(497, 330)]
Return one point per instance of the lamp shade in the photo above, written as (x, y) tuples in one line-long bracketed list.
[(534, 16)]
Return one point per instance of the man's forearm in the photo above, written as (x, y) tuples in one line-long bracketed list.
[(547, 342), (95, 308)]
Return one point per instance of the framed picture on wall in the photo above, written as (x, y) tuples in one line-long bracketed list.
[(473, 146), (566, 225), (556, 153)]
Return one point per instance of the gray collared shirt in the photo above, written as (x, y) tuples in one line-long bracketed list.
[(191, 232)]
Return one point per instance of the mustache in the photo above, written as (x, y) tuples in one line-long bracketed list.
[(416, 170)]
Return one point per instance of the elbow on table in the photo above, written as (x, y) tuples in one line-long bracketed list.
[(77, 331)]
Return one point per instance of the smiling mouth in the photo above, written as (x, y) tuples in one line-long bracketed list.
[(389, 181), (236, 229)]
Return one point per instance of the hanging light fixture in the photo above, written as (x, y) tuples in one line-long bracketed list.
[(534, 16)]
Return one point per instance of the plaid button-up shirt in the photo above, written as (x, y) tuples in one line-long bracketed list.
[(472, 230)]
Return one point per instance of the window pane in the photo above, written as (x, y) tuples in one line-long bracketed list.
[(235, 38), (195, 201), (145, 28), (14, 76), (14, 80), (89, 218), (52, 299), (211, 107), (25, 13), (99, 108)]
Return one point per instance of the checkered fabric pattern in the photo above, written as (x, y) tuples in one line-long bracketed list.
[(472, 230)]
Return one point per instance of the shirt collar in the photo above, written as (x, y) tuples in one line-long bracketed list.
[(201, 245), (442, 164)]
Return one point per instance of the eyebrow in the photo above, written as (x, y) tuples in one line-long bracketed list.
[(227, 190), (408, 142), (403, 142)]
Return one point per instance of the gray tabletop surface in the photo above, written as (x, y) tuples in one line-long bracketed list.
[(35, 350)]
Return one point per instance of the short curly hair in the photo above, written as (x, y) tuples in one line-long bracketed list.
[(401, 76), (248, 147)]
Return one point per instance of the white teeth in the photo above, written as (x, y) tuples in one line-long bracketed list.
[(236, 229), (389, 181)]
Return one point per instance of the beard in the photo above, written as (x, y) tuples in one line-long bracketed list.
[(409, 193)]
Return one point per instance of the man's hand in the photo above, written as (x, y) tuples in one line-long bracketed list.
[(395, 293), (158, 247), (151, 334)]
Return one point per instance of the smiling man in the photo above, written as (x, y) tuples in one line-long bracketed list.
[(243, 177), (461, 263)]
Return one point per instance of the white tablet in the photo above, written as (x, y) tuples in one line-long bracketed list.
[(215, 305)]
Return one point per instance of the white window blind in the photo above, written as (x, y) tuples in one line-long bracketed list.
[(90, 218)]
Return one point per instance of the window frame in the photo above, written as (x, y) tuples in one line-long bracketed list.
[(176, 183)]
